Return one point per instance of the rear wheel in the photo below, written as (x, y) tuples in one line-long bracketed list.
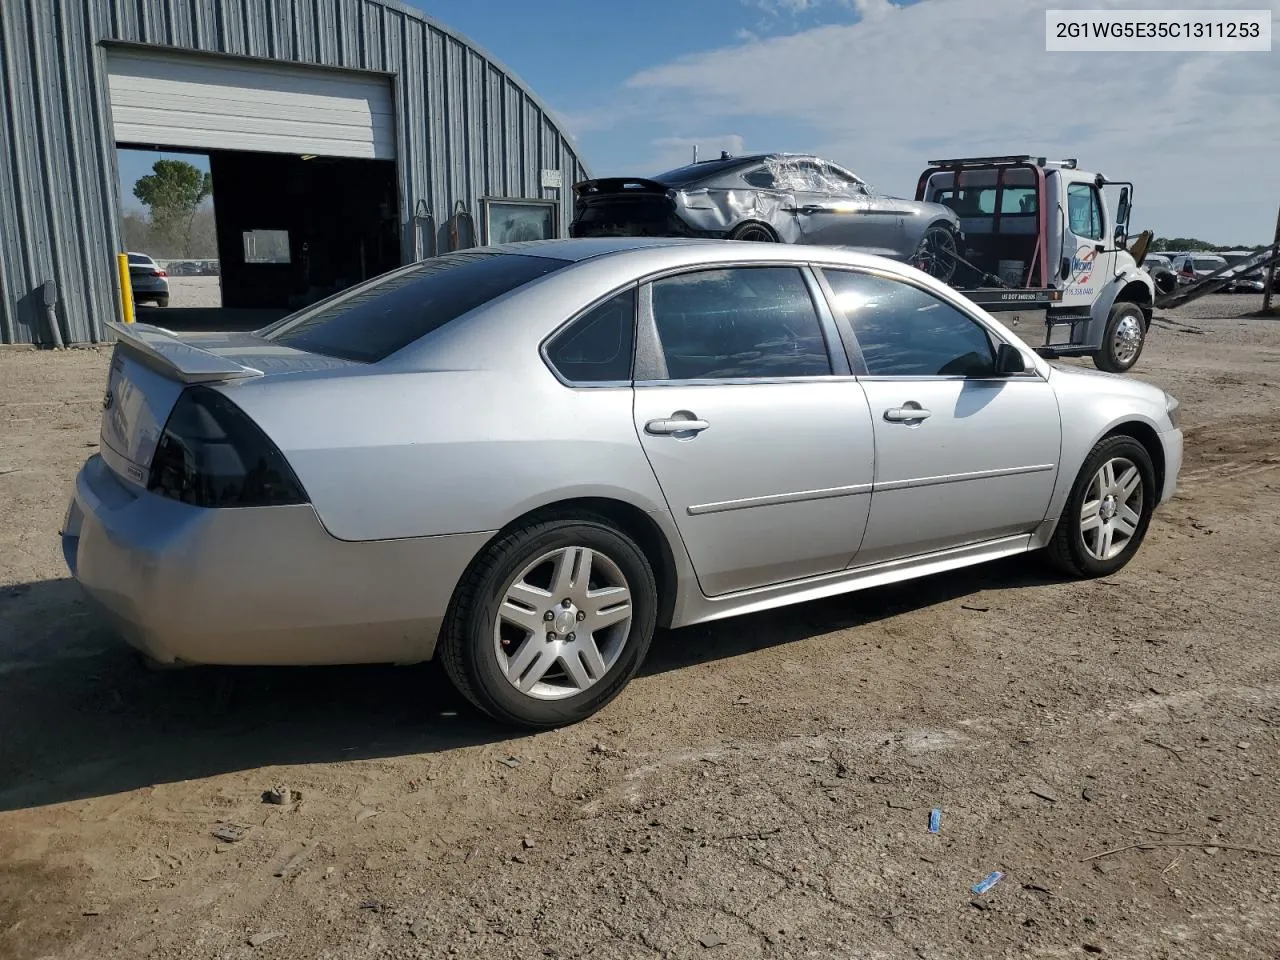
[(753, 232), (1123, 339), (162, 302), (936, 253), (1106, 517), (551, 622)]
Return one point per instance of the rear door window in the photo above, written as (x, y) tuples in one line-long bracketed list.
[(373, 320)]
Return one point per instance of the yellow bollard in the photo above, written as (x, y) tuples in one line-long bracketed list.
[(126, 287)]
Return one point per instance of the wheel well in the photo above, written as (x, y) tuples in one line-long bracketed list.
[(1150, 441), (755, 223), (1137, 293), (632, 521)]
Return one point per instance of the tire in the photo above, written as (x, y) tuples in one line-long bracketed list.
[(162, 302), (1123, 339), (478, 646), (936, 253), (1077, 548), (753, 232)]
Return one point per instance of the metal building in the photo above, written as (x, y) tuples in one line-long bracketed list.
[(350, 131)]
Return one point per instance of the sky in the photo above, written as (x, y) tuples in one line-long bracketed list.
[(884, 86)]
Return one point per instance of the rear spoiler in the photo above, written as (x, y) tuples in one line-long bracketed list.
[(588, 188), (162, 351)]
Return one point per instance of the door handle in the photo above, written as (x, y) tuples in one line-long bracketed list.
[(672, 426), (906, 414)]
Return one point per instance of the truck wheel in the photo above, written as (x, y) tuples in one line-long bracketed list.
[(753, 232), (1123, 339)]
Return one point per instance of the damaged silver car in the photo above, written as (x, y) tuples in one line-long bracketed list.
[(773, 198)]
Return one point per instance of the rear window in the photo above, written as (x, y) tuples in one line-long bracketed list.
[(699, 171), (137, 260), (1210, 263), (373, 320)]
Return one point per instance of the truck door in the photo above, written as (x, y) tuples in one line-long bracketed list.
[(1087, 244)]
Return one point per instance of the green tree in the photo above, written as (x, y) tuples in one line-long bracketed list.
[(173, 192)]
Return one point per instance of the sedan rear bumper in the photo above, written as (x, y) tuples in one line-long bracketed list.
[(255, 585)]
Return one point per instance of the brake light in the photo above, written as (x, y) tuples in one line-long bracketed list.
[(212, 455), (161, 273)]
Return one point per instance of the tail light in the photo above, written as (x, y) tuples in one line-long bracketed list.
[(212, 455), (161, 273)]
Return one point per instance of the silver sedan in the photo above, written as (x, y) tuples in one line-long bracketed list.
[(524, 459)]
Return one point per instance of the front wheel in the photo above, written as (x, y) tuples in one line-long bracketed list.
[(1123, 339), (1106, 517), (551, 622), (936, 253)]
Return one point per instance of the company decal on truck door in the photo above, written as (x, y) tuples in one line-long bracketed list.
[(1082, 270)]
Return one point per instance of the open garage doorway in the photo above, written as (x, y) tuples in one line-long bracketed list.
[(294, 229), (302, 184), (169, 228)]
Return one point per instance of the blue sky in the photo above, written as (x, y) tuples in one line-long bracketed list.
[(883, 86)]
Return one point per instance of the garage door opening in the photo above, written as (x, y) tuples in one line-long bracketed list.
[(300, 162), (277, 233), (168, 222)]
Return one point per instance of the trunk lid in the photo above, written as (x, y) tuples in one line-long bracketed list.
[(622, 206), (150, 367)]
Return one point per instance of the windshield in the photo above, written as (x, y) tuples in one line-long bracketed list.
[(1210, 263), (374, 319)]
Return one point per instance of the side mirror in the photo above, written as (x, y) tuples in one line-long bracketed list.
[(1122, 208), (1009, 360), (1122, 234)]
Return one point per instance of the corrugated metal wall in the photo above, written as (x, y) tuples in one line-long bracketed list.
[(468, 129)]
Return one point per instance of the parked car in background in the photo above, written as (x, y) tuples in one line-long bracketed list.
[(148, 280), (649, 433), (1255, 281), (776, 198), (1192, 267), (1160, 269)]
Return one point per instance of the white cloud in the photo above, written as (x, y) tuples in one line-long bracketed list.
[(1199, 133)]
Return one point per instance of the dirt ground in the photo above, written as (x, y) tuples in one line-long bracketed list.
[(762, 790), (191, 292)]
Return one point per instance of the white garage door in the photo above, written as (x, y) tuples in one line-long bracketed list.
[(178, 100)]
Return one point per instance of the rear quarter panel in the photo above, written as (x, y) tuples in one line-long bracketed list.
[(420, 454)]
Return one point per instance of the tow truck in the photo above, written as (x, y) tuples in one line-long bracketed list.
[(1038, 234)]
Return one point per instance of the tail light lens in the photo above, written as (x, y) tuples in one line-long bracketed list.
[(161, 273), (212, 455)]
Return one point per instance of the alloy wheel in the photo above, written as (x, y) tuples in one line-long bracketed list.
[(563, 621), (1112, 509)]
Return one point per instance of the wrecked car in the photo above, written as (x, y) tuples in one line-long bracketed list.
[(773, 198)]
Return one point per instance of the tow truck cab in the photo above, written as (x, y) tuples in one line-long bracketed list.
[(1039, 234)]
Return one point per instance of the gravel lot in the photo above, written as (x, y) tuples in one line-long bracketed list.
[(763, 790), (190, 292)]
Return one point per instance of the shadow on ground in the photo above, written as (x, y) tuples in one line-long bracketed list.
[(83, 718)]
